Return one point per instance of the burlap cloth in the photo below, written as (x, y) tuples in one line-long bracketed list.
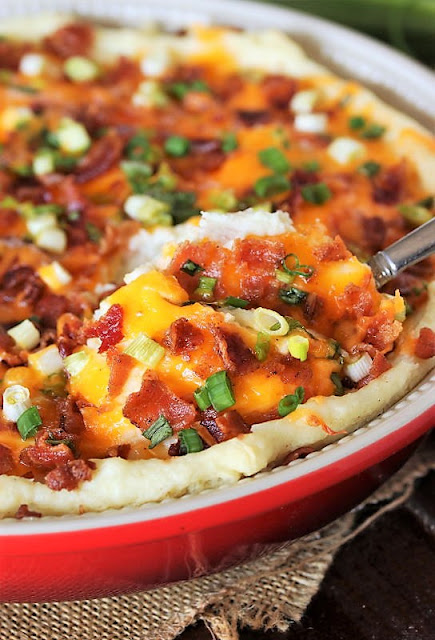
[(270, 592)]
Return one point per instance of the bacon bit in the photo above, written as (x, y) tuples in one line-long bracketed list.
[(236, 356), (380, 364), (74, 39), (302, 452), (251, 118), (315, 421), (49, 308), (103, 154), (120, 366), (45, 456), (259, 254), (375, 231), (71, 334), (183, 337), (356, 300), (11, 54), (332, 251), (6, 459), (23, 511), (108, 328), (425, 344), (70, 419), (312, 306), (382, 332), (279, 90), (388, 188), (20, 288), (121, 451), (224, 426), (69, 475), (155, 399), (8, 352)]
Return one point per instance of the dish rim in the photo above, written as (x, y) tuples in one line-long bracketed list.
[(395, 419)]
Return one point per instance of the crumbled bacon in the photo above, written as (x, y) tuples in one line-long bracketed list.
[(155, 399), (251, 118), (225, 425), (20, 288), (11, 53), (425, 344), (103, 154), (120, 366), (6, 459), (259, 254), (69, 475), (279, 90), (108, 328), (388, 187), (301, 452), (49, 308), (331, 251), (8, 351), (382, 332), (183, 337), (356, 300), (70, 332), (45, 456), (74, 39), (380, 364), (374, 230), (236, 356), (312, 306), (23, 511)]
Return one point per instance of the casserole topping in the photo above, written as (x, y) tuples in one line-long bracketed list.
[(227, 320)]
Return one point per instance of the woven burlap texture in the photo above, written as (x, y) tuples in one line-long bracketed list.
[(269, 592)]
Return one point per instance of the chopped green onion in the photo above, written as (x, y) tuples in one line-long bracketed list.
[(72, 136), (149, 94), (190, 441), (180, 89), (133, 169), (225, 200), (229, 142), (271, 185), (270, 322), (138, 147), (16, 400), (298, 347), (80, 69), (28, 423), (415, 215), (370, 168), (311, 165), (274, 159), (177, 146), (43, 162), (165, 177), (303, 270), (291, 402), (240, 303), (293, 295), (25, 335), (206, 287), (145, 350), (427, 203), (373, 131), (294, 324), (336, 380), (356, 122), (316, 193), (53, 442), (220, 391), (202, 398), (76, 362), (191, 268), (334, 349), (148, 210), (262, 346), (94, 233), (282, 276), (158, 431)]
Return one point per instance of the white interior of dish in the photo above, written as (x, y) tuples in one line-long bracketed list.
[(401, 81)]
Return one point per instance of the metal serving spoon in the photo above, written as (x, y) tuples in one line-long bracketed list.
[(409, 250)]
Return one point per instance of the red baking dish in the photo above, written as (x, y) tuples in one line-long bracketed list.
[(99, 554)]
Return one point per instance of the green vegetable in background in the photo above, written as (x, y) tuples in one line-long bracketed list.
[(408, 25)]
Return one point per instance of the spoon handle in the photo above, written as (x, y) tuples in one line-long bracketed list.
[(412, 248)]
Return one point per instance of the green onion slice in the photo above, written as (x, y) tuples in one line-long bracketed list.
[(373, 131), (190, 441), (316, 193), (177, 146), (202, 398), (229, 142), (240, 303), (336, 380), (271, 185), (145, 350), (220, 391), (292, 295), (206, 287), (415, 214), (28, 423), (356, 122), (311, 165), (262, 346), (158, 431), (297, 269), (291, 402), (274, 159), (191, 268), (370, 168), (138, 147)]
